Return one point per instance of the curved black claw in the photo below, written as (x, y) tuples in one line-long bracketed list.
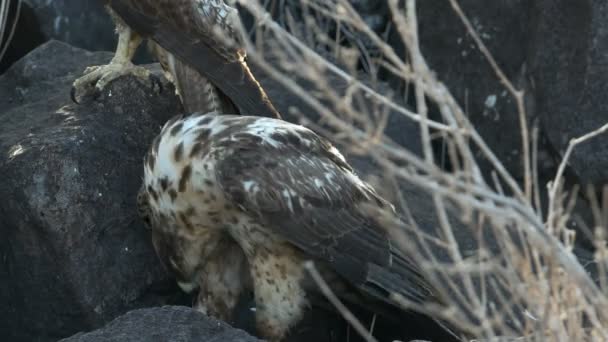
[(88, 94)]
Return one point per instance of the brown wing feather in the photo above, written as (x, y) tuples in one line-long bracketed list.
[(180, 28), (324, 221)]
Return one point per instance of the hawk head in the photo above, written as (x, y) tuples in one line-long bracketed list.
[(168, 246)]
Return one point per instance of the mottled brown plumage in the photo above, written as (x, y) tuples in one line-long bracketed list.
[(239, 202)]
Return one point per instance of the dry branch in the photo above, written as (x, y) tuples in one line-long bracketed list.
[(5, 38), (505, 268)]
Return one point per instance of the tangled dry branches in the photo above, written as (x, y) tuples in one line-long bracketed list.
[(503, 268), (7, 31)]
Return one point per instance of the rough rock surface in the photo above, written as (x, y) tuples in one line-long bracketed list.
[(73, 253), (175, 324), (167, 323), (75, 22), (570, 69), (453, 55)]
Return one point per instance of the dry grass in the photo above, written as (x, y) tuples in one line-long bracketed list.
[(503, 268)]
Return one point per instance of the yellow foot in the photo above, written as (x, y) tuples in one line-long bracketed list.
[(97, 77)]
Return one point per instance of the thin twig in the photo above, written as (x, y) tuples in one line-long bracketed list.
[(4, 11), (518, 95), (557, 181), (532, 268)]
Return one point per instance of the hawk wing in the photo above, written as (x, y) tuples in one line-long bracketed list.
[(187, 29), (302, 189)]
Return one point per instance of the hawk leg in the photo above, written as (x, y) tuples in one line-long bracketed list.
[(279, 295), (97, 77), (196, 92), (222, 280)]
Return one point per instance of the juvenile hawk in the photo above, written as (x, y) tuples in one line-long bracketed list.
[(196, 42), (237, 202)]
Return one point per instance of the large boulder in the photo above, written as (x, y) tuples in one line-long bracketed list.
[(167, 323), (81, 23), (182, 324), (76, 22), (553, 50), (74, 254), (453, 55), (569, 63)]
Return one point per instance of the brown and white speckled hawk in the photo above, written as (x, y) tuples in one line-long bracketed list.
[(197, 45), (237, 202), (240, 202)]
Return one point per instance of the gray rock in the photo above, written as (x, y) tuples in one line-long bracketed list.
[(570, 69), (74, 254), (167, 323), (81, 23), (453, 55)]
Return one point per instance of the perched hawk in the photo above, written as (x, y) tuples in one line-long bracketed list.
[(240, 202), (197, 44)]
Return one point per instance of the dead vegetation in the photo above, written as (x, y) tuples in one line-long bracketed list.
[(8, 25), (504, 268)]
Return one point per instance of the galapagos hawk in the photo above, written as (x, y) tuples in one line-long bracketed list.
[(197, 44), (238, 203)]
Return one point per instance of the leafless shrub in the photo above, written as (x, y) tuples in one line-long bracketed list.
[(6, 32), (501, 266)]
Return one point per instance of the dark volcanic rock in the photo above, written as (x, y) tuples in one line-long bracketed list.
[(168, 323), (182, 324), (81, 23), (554, 50), (570, 69), (453, 55), (74, 255), (76, 22)]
